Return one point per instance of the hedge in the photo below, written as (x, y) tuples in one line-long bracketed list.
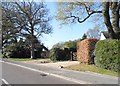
[(59, 54), (85, 49), (107, 54)]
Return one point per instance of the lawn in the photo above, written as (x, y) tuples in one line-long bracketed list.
[(92, 68)]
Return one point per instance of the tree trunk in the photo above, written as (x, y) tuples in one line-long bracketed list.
[(32, 50), (32, 44), (107, 20), (115, 18)]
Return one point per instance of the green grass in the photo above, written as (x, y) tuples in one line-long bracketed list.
[(20, 59), (92, 68), (1, 56), (39, 60)]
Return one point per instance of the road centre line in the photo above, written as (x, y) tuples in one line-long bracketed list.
[(52, 74)]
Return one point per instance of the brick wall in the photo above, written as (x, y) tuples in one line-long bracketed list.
[(85, 49)]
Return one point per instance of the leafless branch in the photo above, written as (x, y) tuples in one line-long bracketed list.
[(81, 21)]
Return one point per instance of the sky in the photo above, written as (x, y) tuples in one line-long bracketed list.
[(66, 33)]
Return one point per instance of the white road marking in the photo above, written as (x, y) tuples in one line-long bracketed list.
[(4, 81), (2, 61), (26, 68), (55, 75)]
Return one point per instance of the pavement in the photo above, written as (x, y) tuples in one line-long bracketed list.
[(76, 76)]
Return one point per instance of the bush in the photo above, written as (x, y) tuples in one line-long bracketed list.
[(59, 54), (7, 50), (21, 50), (107, 54)]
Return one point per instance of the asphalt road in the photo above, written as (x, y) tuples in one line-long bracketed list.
[(12, 74)]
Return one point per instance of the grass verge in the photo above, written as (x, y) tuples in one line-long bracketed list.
[(20, 59), (92, 68), (39, 60), (1, 55)]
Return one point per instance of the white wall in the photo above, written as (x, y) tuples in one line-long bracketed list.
[(102, 37)]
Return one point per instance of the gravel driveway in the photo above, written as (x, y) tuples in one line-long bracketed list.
[(51, 64)]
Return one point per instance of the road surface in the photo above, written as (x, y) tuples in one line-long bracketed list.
[(14, 74), (21, 73)]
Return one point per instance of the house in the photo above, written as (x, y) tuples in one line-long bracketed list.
[(104, 35), (44, 52)]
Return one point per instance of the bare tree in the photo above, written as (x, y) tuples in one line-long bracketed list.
[(93, 33), (34, 20), (72, 12), (9, 32), (31, 18)]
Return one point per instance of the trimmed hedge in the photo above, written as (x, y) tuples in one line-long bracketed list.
[(107, 54), (59, 54), (85, 49)]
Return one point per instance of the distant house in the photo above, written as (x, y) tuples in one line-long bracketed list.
[(104, 35), (44, 51)]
